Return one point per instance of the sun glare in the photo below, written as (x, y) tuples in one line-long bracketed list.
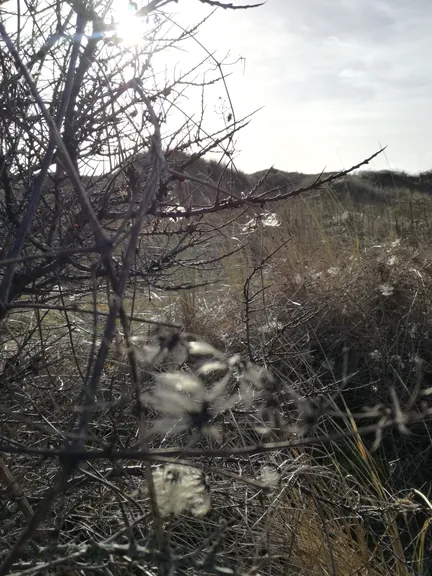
[(130, 28)]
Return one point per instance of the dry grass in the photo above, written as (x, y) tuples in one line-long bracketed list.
[(345, 302), (349, 294)]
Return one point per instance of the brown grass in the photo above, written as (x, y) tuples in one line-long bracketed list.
[(347, 299)]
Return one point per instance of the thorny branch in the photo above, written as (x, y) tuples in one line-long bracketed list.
[(111, 221)]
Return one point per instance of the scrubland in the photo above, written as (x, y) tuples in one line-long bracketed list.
[(313, 455)]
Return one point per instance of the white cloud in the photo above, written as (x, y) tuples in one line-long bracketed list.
[(336, 78)]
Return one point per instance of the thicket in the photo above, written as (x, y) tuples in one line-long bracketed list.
[(202, 371)]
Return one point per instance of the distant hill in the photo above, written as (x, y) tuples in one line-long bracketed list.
[(364, 186), (390, 179)]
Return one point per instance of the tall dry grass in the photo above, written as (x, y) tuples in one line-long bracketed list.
[(340, 312), (348, 296)]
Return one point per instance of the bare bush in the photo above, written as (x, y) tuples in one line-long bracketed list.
[(129, 444)]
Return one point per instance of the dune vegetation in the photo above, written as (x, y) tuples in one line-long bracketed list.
[(202, 371)]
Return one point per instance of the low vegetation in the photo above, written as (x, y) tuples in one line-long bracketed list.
[(202, 371), (331, 293)]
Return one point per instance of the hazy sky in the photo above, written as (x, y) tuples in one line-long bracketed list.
[(335, 77)]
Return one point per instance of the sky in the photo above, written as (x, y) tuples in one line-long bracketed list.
[(336, 79)]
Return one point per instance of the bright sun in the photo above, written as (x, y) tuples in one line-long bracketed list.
[(129, 27)]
